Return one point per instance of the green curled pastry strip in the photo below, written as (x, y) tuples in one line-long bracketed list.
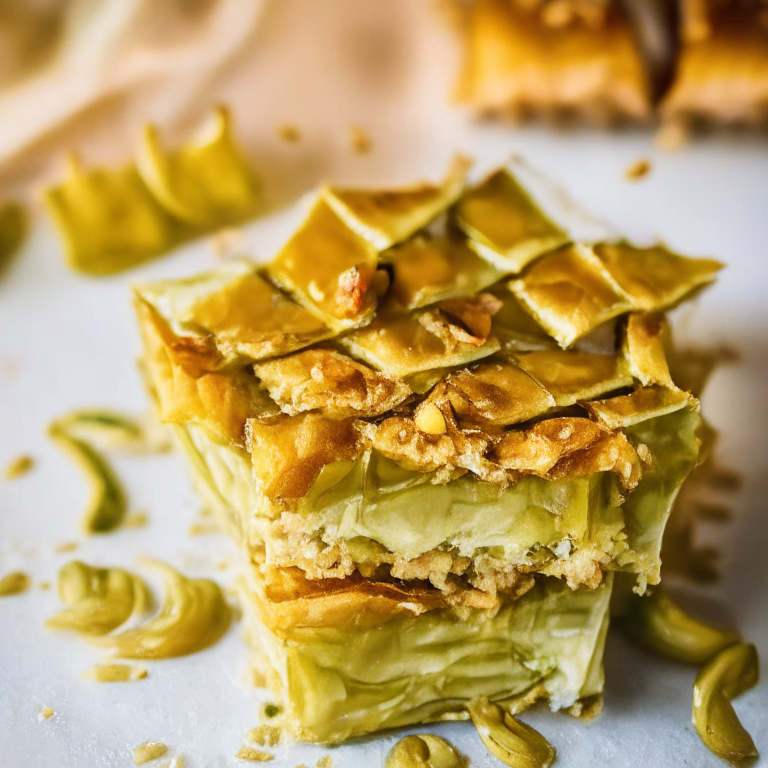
[(729, 674), (108, 503), (99, 599), (658, 623), (193, 616), (512, 741), (424, 751)]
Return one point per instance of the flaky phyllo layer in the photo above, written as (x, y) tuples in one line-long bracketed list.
[(438, 384)]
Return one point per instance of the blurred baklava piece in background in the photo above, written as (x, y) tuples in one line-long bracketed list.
[(437, 427)]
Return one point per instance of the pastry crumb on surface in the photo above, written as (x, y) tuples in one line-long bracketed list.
[(136, 520), (174, 762), (254, 755), (360, 140), (67, 546), (149, 750), (14, 583), (289, 132), (264, 735), (638, 170), (326, 761), (18, 467), (115, 673), (46, 585), (47, 713)]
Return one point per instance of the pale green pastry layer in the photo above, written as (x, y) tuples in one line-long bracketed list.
[(340, 682), (372, 510)]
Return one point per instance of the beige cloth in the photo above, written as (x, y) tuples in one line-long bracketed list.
[(75, 71)]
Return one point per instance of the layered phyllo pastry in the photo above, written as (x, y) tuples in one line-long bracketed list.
[(437, 425)]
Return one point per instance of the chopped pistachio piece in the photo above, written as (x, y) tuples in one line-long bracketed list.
[(330, 269), (504, 224), (424, 751), (18, 467), (570, 376), (98, 599), (329, 382), (658, 623), (428, 270), (107, 504), (401, 346), (570, 293), (206, 182), (729, 674), (149, 750), (512, 741), (642, 404), (654, 278), (194, 615), (643, 346), (386, 217), (108, 219), (115, 673), (14, 583)]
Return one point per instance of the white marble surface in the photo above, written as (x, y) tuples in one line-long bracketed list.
[(68, 341)]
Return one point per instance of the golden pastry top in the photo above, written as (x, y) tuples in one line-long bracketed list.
[(478, 340)]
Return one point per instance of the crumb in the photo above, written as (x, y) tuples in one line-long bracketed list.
[(174, 762), (360, 139), (115, 673), (14, 583), (45, 585), (254, 755), (149, 750), (638, 170), (222, 565), (226, 242), (136, 520), (672, 136), (202, 529), (18, 467), (67, 546), (264, 735), (288, 132), (325, 762), (47, 713)]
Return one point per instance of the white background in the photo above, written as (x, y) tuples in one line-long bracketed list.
[(68, 341)]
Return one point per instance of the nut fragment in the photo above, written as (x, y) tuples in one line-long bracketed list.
[(429, 419), (512, 741), (424, 751), (14, 583), (728, 675), (149, 750), (658, 623)]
